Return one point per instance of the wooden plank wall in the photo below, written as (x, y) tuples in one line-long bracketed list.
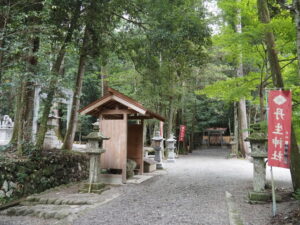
[(116, 147), (216, 140), (135, 145)]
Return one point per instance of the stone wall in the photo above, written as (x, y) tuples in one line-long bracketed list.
[(23, 177)]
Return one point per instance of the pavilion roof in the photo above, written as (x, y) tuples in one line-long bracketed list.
[(116, 102), (215, 130)]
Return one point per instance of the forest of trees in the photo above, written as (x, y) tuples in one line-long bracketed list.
[(162, 53)]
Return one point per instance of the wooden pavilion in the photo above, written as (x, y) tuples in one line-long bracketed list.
[(121, 118), (215, 136)]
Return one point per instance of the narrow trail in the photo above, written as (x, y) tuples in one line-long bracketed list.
[(192, 192)]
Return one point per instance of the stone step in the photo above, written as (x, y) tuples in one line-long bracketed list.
[(41, 211), (33, 200)]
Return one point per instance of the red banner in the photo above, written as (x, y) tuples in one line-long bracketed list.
[(279, 128), (182, 133)]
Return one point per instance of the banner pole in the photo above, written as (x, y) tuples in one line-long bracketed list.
[(273, 193)]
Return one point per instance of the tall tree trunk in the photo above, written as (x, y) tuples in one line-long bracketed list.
[(170, 117), (20, 121), (264, 17), (70, 134), (296, 4), (2, 25), (236, 127), (244, 127), (261, 104), (104, 82), (55, 72), (295, 161), (24, 117), (242, 103), (18, 106), (3, 22)]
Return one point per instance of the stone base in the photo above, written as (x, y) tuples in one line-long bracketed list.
[(115, 179), (232, 155), (260, 196), (159, 166), (171, 160), (97, 188), (149, 165)]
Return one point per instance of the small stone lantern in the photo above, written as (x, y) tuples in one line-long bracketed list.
[(51, 140), (258, 142), (94, 150), (171, 147), (157, 139), (233, 147)]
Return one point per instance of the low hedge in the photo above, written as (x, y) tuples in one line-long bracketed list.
[(22, 177)]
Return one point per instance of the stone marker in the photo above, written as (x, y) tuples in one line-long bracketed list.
[(258, 142), (94, 150), (51, 140), (171, 147), (233, 147), (149, 165), (158, 155), (6, 130)]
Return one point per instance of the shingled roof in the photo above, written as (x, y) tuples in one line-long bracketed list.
[(114, 99)]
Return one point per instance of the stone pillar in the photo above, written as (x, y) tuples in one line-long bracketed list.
[(69, 106), (171, 147), (233, 147), (36, 107), (259, 172), (157, 139), (258, 142), (94, 150), (51, 140), (95, 169), (146, 153), (6, 130)]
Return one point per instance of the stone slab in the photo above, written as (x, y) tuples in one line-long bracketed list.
[(138, 179), (115, 179), (260, 196)]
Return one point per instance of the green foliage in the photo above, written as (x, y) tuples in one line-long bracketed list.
[(232, 89), (40, 172), (296, 194)]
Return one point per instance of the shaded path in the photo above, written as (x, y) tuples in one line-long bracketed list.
[(192, 192)]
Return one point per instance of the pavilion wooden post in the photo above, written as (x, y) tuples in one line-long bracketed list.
[(124, 178), (142, 152)]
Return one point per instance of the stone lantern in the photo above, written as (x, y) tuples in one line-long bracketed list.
[(51, 140), (258, 141), (157, 139), (94, 150), (233, 147), (171, 147)]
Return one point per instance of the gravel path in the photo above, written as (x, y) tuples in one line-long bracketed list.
[(192, 192)]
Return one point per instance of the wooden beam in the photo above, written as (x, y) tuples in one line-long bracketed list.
[(96, 105), (139, 117), (117, 111), (128, 104)]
